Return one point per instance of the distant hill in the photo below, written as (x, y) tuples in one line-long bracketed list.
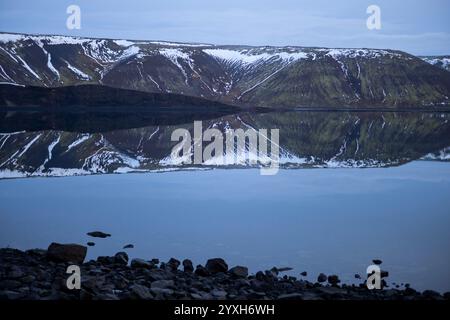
[(97, 96)]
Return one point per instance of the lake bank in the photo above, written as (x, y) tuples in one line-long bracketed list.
[(41, 275)]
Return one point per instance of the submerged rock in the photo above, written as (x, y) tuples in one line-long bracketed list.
[(128, 246), (91, 244), (284, 269)]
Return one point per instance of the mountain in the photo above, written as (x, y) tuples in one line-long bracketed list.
[(277, 77), (58, 147), (439, 61)]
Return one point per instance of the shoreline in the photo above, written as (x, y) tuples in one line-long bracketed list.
[(39, 274)]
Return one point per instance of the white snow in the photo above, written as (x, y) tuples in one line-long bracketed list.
[(440, 61), (362, 53), (442, 155), (176, 44), (130, 51), (9, 37), (79, 141), (261, 82), (58, 40), (5, 75), (9, 174), (173, 55), (9, 54), (13, 84), (250, 57), (78, 72), (28, 145), (50, 153), (26, 66), (123, 43)]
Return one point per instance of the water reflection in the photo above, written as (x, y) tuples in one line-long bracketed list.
[(35, 144)]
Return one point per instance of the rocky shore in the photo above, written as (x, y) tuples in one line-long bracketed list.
[(41, 275)]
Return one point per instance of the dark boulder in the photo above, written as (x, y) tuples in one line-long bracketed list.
[(201, 271), (431, 294), (121, 258), (141, 263), (173, 264), (74, 253), (216, 265), (322, 278), (239, 271), (188, 266), (106, 260), (260, 276), (333, 280)]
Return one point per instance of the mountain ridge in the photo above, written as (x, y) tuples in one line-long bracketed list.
[(280, 77)]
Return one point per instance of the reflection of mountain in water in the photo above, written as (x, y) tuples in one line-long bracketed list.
[(60, 145)]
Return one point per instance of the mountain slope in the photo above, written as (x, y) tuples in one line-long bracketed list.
[(242, 75)]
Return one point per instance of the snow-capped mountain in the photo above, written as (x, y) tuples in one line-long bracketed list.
[(242, 75)]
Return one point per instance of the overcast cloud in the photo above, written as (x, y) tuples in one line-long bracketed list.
[(418, 27)]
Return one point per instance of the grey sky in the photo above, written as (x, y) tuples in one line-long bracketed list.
[(418, 27)]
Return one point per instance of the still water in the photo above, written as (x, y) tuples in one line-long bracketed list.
[(314, 220)]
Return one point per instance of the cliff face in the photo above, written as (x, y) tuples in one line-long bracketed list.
[(248, 76)]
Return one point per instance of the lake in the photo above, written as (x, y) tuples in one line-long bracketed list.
[(314, 220), (353, 186)]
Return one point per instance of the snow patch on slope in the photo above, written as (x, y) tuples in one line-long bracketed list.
[(78, 72)]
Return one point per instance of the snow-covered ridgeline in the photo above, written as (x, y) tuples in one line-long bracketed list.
[(443, 62), (247, 57), (359, 53)]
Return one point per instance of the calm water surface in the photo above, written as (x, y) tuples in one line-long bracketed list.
[(315, 220)]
